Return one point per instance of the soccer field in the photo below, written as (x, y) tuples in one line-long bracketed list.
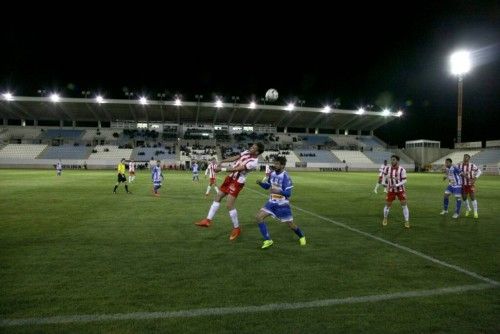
[(76, 258)]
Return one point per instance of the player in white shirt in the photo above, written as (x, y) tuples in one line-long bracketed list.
[(131, 171), (194, 169), (233, 183), (470, 172), (396, 179), (59, 168), (381, 178), (212, 174)]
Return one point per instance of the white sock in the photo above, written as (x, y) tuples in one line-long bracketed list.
[(386, 211), (130, 179), (208, 190), (474, 205), (406, 212), (467, 202), (376, 186), (234, 218), (216, 189), (213, 210)]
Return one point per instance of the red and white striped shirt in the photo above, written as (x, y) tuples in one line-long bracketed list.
[(394, 176), (211, 170), (131, 166), (249, 161), (469, 173)]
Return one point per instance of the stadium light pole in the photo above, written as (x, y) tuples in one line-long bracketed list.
[(460, 65)]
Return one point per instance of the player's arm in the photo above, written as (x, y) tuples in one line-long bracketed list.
[(231, 159), (265, 185), (399, 184), (478, 173)]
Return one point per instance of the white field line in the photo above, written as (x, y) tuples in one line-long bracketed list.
[(220, 311)]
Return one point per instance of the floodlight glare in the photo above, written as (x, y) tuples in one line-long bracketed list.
[(252, 105), (99, 99), (290, 106), (143, 100), (460, 62), (218, 104), (178, 102), (55, 97), (8, 96), (326, 109)]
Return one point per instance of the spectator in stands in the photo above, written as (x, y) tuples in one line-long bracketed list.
[(121, 176)]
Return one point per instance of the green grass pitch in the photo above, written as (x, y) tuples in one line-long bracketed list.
[(69, 247)]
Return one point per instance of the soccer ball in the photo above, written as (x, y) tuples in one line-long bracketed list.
[(271, 95)]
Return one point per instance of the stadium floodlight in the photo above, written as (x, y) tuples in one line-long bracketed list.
[(361, 111), (399, 113), (143, 100), (218, 103), (252, 105), (99, 99), (55, 97), (460, 64), (8, 96), (290, 107), (326, 109), (386, 112), (178, 102)]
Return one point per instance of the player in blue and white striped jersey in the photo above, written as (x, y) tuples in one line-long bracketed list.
[(157, 178), (280, 187), (454, 177)]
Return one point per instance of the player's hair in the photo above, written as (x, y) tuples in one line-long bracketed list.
[(158, 162), (122, 160), (466, 155), (260, 147), (395, 157), (449, 160), (281, 159)]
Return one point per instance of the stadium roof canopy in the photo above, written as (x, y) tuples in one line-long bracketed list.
[(86, 109)]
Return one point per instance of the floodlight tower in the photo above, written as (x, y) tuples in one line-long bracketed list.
[(460, 65)]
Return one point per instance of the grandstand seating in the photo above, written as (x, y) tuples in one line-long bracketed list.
[(316, 156), (22, 151), (488, 156), (110, 152), (351, 156), (66, 152), (152, 152), (62, 133), (378, 157), (456, 156)]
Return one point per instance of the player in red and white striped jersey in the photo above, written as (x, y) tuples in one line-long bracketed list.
[(233, 183), (470, 172), (212, 174), (396, 179)]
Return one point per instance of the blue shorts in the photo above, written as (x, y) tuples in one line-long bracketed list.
[(456, 191), (282, 212)]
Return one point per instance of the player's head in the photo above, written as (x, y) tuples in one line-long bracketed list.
[(466, 158), (394, 159), (385, 162), (158, 163), (448, 162), (279, 163), (257, 148), (122, 160)]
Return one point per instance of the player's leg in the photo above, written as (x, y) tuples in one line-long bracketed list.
[(295, 228), (474, 203), (375, 190), (260, 219), (212, 211), (466, 201), (446, 202), (389, 199), (406, 211), (233, 214)]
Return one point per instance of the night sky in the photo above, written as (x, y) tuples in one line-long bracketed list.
[(381, 55)]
